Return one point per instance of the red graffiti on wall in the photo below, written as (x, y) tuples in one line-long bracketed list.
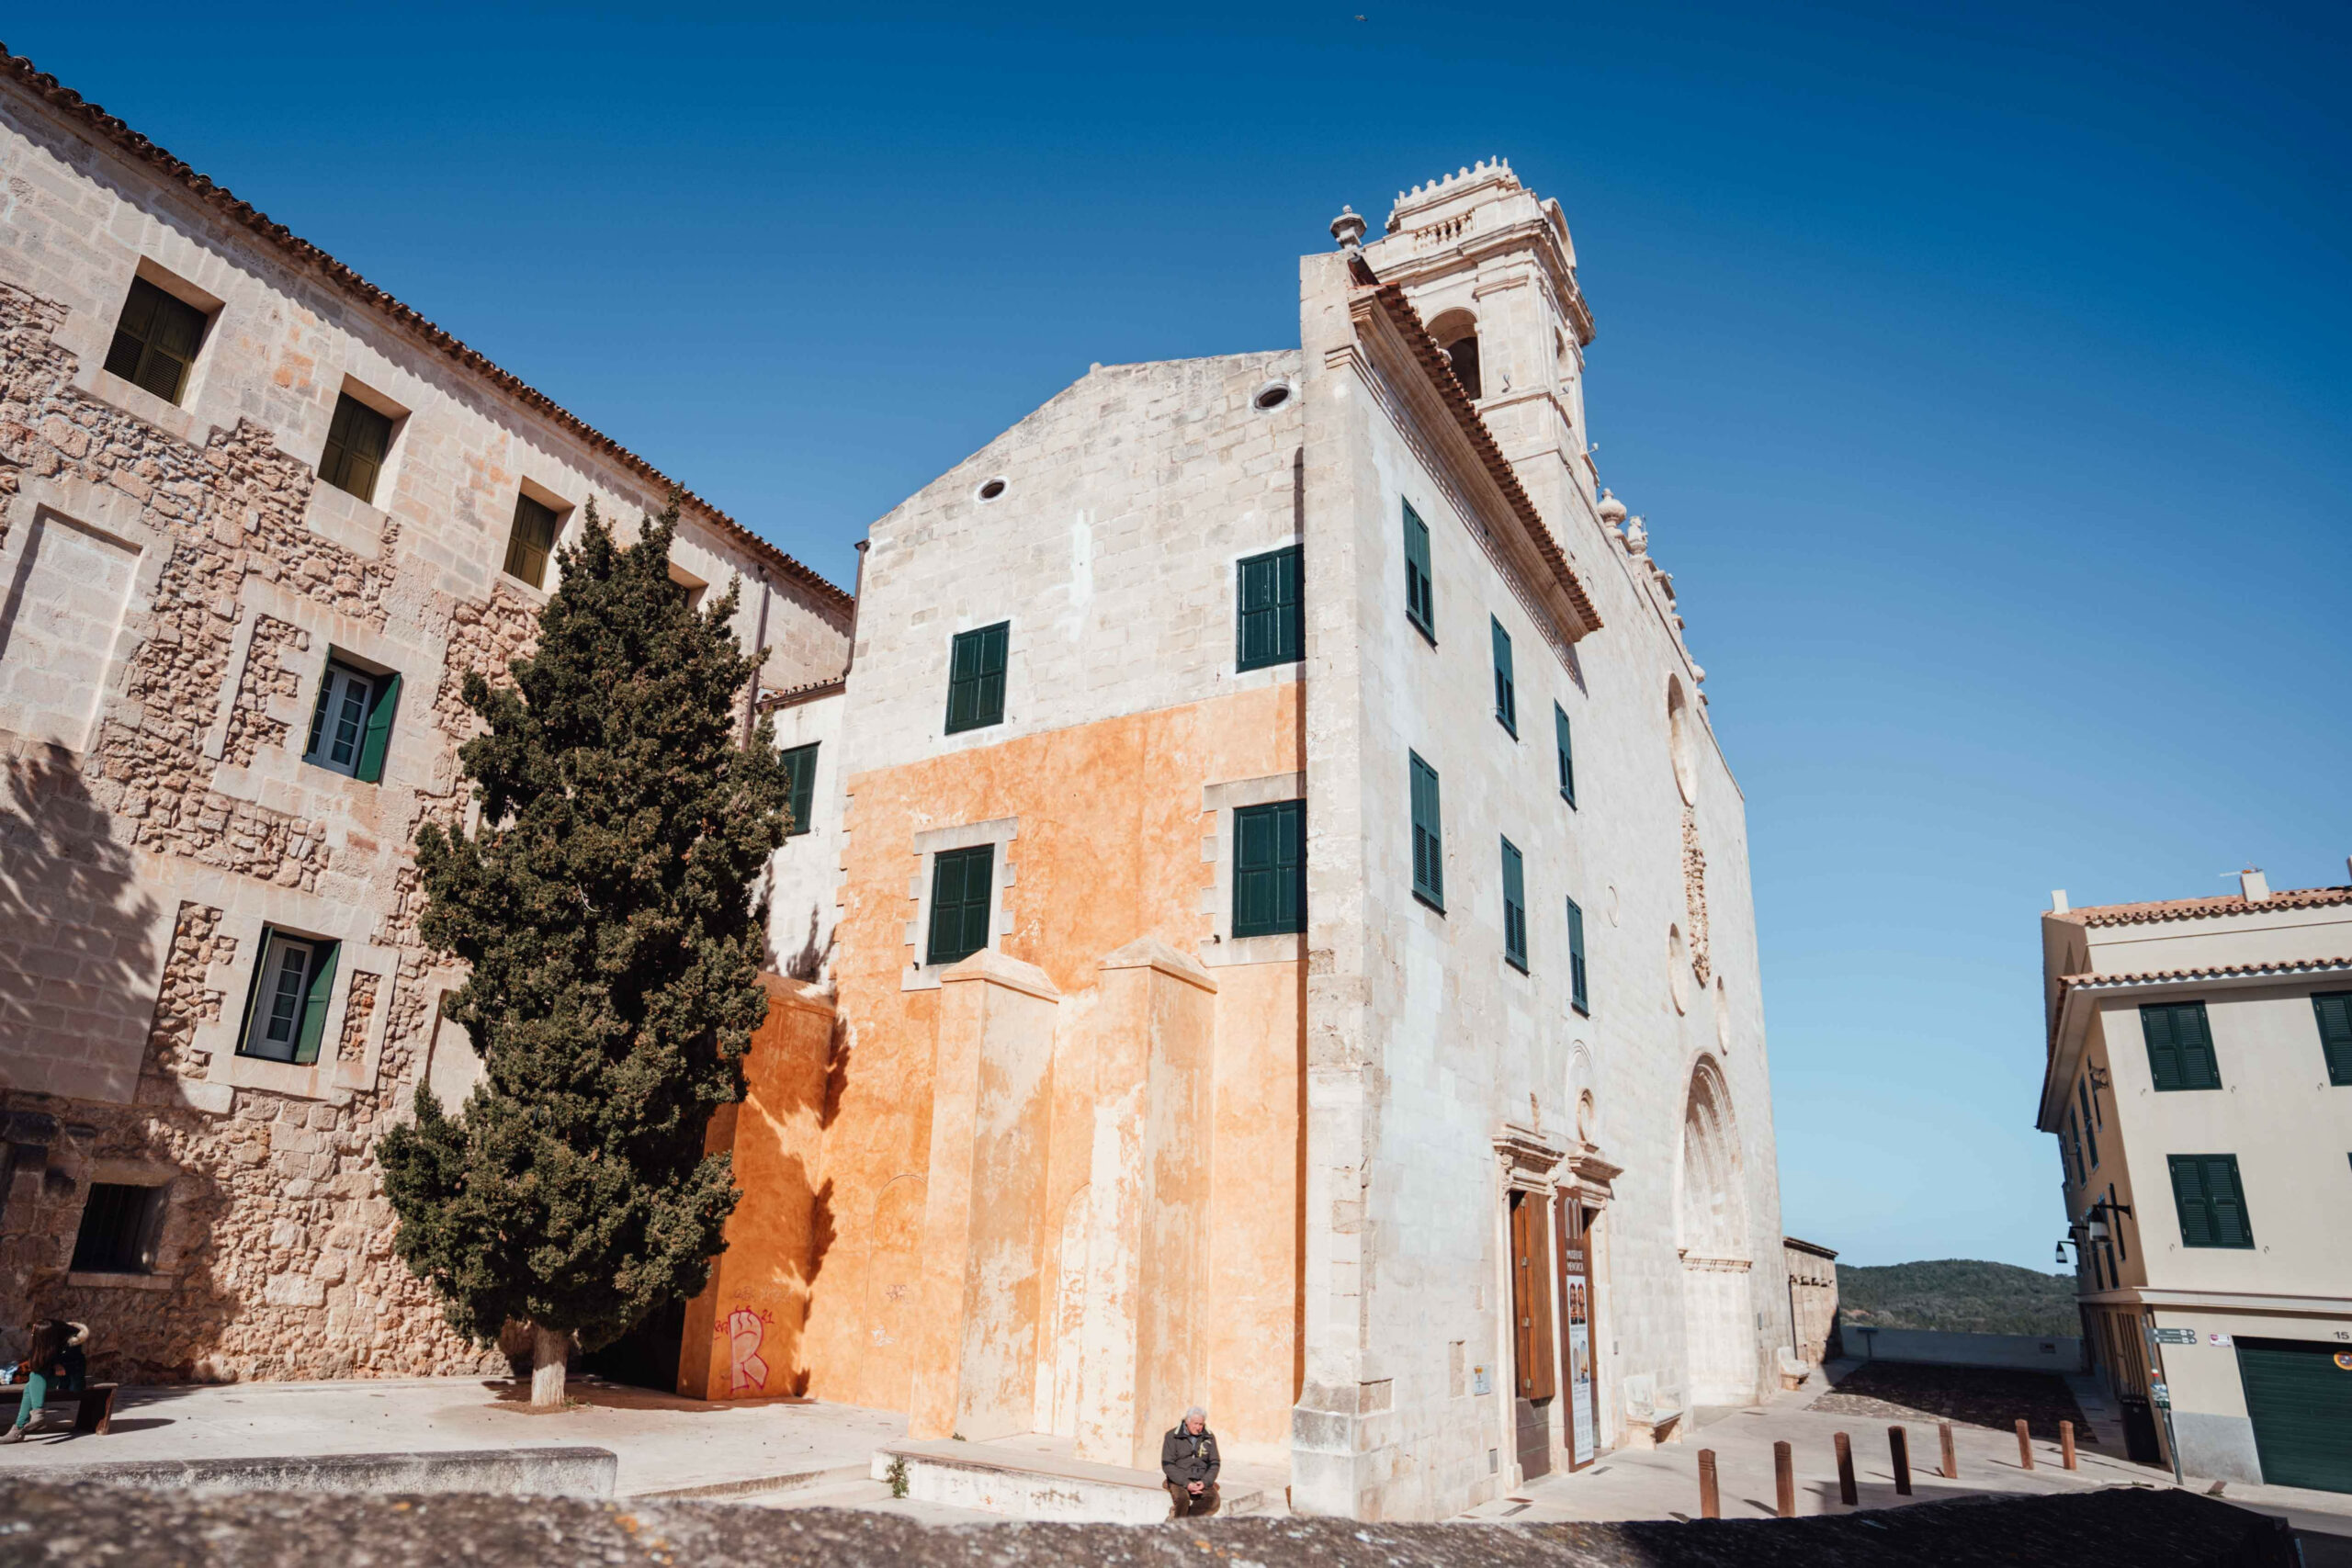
[(744, 1330)]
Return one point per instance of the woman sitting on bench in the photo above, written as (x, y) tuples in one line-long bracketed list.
[(55, 1363)]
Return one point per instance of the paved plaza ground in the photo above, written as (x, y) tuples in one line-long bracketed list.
[(783, 1453)]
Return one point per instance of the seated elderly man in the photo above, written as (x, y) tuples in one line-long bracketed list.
[(1188, 1458)]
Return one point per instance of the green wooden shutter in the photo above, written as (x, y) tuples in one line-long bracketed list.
[(380, 730), (2335, 1012), (2206, 1191), (1421, 604), (2180, 1046), (800, 786), (1506, 687), (1270, 868), (994, 642), (2189, 1198), (1268, 620), (961, 882), (2090, 1132), (155, 340), (975, 677), (314, 1005), (358, 439), (1561, 738), (1514, 907), (1429, 839), (1577, 997), (530, 541)]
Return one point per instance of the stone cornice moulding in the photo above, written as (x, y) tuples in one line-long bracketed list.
[(1528, 1159), (1012, 973)]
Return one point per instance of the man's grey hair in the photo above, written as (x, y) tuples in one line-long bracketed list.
[(1196, 1410)]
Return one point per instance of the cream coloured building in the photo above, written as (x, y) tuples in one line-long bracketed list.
[(2200, 1084)]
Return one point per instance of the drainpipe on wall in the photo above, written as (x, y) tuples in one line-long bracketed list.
[(857, 603), (760, 655)]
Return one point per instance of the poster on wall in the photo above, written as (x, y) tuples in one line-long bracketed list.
[(1580, 1409)]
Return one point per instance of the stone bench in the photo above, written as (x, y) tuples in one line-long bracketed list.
[(1652, 1418), (1794, 1369), (93, 1406)]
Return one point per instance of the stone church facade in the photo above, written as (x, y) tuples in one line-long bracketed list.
[(1269, 924), (237, 611)]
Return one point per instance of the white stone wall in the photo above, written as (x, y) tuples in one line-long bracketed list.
[(181, 578), (1128, 498), (804, 887)]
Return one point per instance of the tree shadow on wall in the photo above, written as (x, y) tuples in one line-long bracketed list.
[(806, 964), (78, 940)]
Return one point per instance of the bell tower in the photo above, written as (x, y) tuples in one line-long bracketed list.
[(1490, 266)]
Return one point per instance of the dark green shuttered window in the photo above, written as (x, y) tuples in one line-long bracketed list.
[(1578, 997), (1561, 738), (976, 678), (1270, 868), (2180, 1046), (1270, 632), (155, 340), (1506, 688), (1514, 908), (960, 883), (2090, 1132), (531, 541), (800, 783), (2334, 1011), (1429, 841), (357, 442), (2213, 1204), (1420, 601), (286, 1008)]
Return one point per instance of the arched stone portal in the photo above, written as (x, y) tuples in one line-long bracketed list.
[(1713, 1218)]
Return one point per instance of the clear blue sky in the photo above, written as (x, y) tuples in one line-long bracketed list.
[(1982, 378)]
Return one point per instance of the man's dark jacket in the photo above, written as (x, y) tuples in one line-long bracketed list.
[(1186, 1457)]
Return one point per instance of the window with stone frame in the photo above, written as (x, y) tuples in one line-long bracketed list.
[(155, 340), (1270, 868), (1269, 630), (800, 786), (350, 723), (531, 540), (358, 437), (120, 1226), (962, 884), (286, 1003)]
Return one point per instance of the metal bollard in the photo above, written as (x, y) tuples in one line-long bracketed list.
[(2066, 1444), (2025, 1445), (1710, 1502), (1952, 1459), (1784, 1480), (1845, 1469), (1900, 1445)]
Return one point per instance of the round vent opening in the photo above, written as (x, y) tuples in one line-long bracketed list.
[(1271, 397), (990, 489)]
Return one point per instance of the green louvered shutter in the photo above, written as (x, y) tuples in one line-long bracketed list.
[(1506, 685), (1269, 626), (800, 785), (2334, 1011), (961, 882), (1577, 997), (358, 439), (976, 678), (1270, 868), (2206, 1191), (1514, 907), (314, 1005), (2180, 1046), (379, 730), (1561, 738), (1420, 601), (1429, 841)]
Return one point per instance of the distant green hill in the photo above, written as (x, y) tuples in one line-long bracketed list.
[(1957, 1296)]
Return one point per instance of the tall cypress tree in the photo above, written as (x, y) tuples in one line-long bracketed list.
[(605, 907)]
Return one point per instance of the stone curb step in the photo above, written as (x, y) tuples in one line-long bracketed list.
[(793, 1480), (1025, 1485)]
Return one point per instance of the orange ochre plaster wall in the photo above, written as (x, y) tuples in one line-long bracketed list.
[(1109, 850)]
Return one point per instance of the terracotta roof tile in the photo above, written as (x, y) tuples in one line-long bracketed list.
[(2198, 909), (785, 696), (104, 126), (2215, 972)]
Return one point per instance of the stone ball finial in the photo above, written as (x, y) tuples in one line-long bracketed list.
[(1613, 511), (1348, 229)]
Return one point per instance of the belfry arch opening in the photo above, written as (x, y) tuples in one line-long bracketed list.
[(1712, 1230), (1456, 332)]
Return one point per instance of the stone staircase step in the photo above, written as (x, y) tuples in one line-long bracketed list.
[(1024, 1484)]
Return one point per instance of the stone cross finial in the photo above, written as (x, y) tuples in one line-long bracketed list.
[(1348, 229)]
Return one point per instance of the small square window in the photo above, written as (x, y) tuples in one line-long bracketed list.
[(961, 883), (531, 540), (120, 1225), (976, 678), (356, 440), (285, 1010), (800, 785), (1270, 868), (155, 340), (1269, 630), (351, 724)]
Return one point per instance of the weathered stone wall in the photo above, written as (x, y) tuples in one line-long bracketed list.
[(159, 817)]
